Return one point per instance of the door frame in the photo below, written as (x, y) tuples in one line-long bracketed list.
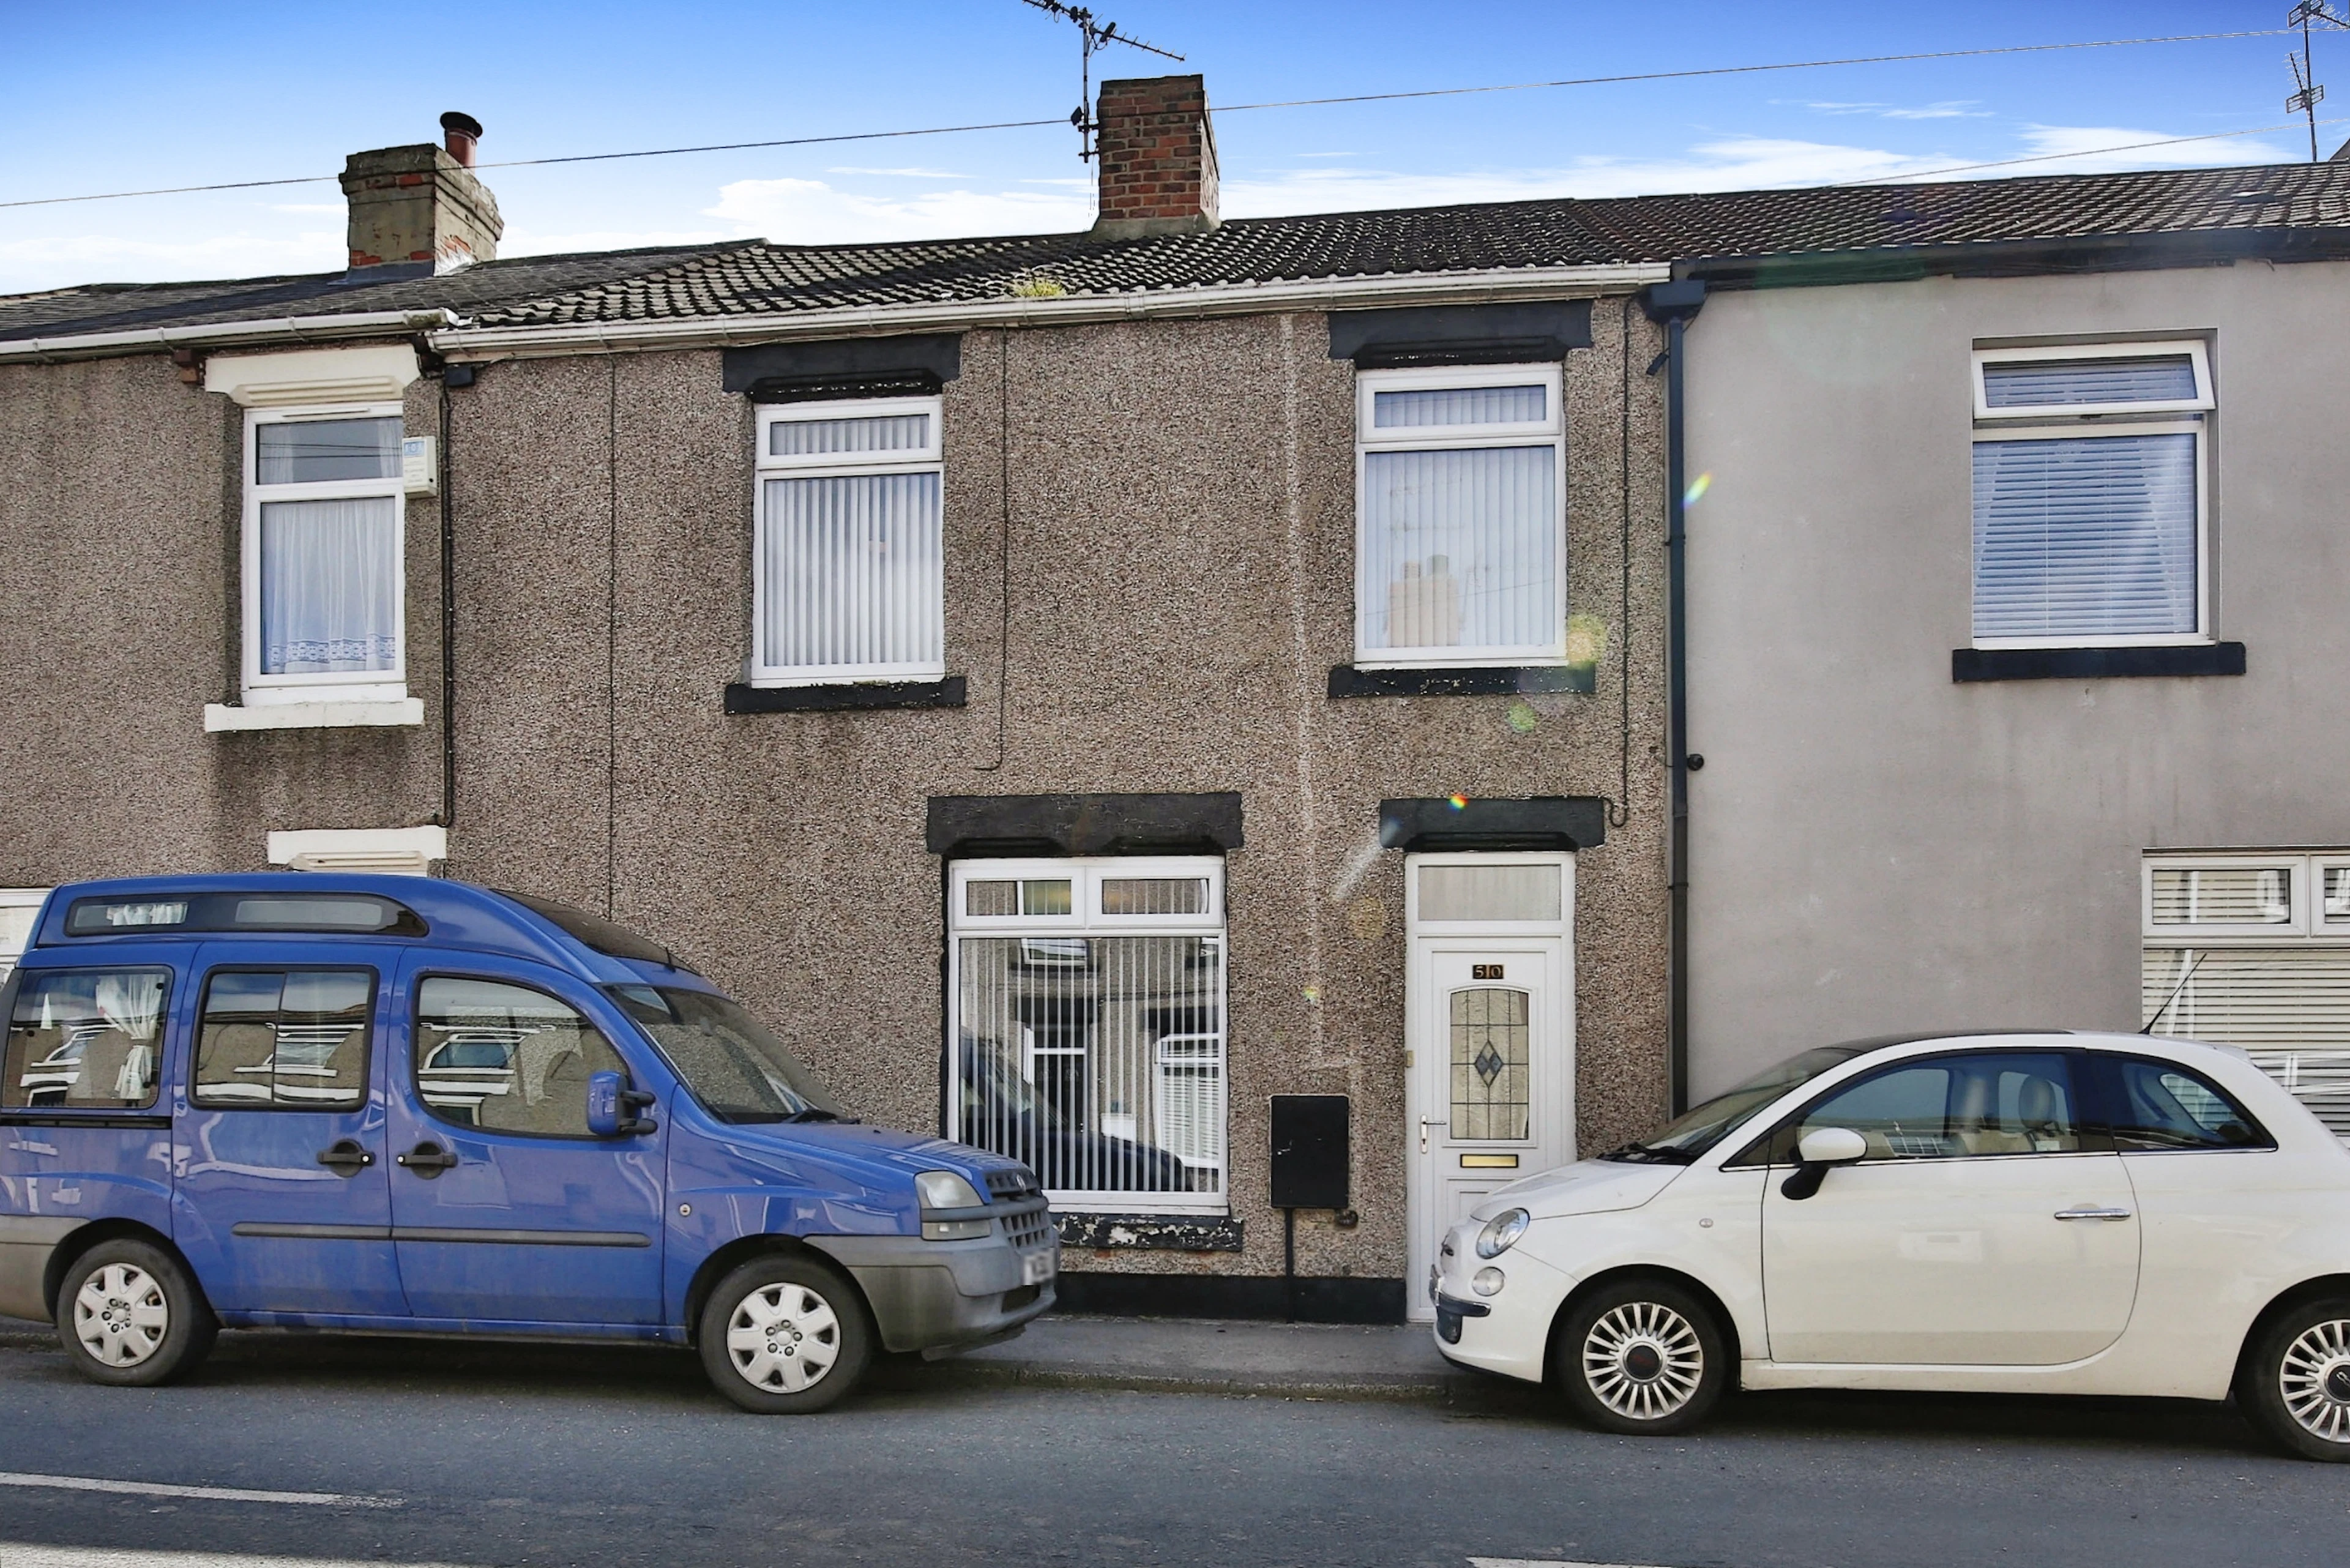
[(1554, 1091)]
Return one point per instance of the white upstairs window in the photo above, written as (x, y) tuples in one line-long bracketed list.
[(2252, 950), (2090, 526), (19, 906), (1460, 517), (323, 575), (848, 565)]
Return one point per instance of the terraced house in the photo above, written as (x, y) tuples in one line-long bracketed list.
[(1078, 688)]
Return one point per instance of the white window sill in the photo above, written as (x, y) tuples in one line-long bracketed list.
[(221, 717)]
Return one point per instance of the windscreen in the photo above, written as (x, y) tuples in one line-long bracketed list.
[(604, 936), (733, 1063), (1696, 1130)]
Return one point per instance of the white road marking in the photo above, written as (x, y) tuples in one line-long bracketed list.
[(211, 1493), (16, 1556), (1476, 1561)]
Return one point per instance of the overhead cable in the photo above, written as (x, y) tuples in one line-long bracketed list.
[(1228, 109)]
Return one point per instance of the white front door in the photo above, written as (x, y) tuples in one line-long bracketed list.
[(1489, 1038)]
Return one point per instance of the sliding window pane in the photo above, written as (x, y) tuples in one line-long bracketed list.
[(853, 572), (329, 586), (1461, 549), (2085, 538), (309, 452)]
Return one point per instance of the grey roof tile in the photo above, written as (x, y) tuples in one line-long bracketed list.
[(750, 278)]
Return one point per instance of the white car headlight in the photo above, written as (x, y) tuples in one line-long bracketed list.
[(945, 1190), (1500, 1233)]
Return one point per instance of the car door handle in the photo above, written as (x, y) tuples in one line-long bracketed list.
[(427, 1159), (2093, 1214), (346, 1157)]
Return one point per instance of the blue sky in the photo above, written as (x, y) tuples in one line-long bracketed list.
[(108, 97)]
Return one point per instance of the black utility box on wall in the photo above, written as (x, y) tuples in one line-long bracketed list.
[(1310, 1151)]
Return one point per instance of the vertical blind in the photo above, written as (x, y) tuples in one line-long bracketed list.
[(2088, 536), (330, 586), (1461, 547), (853, 571), (1460, 406), (1097, 1061)]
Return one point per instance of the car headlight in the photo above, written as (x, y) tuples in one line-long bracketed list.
[(1500, 1233), (945, 1190)]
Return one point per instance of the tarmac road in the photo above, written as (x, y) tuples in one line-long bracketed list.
[(473, 1455)]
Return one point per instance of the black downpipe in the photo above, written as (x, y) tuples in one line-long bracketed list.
[(457, 375), (1676, 304)]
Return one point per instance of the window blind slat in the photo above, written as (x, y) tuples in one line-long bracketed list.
[(2027, 383)]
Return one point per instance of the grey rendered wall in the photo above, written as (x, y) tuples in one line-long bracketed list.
[(1179, 569), (119, 541), (1875, 848)]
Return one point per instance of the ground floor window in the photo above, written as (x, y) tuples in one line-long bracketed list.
[(19, 906), (2253, 950), (1087, 1035)]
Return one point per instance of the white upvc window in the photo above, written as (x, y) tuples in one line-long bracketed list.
[(849, 564), (1085, 1031), (2091, 512), (1460, 517), (324, 575), (2252, 949), (19, 907)]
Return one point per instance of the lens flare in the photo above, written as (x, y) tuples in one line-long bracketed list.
[(1460, 802), (1698, 487)]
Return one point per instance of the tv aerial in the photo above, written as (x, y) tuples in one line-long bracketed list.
[(2307, 93), (1093, 35)]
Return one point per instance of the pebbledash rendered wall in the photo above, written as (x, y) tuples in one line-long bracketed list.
[(1177, 575), (1879, 848)]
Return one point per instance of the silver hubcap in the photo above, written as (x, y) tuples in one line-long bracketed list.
[(121, 1315), (783, 1339), (2315, 1380), (1643, 1360)]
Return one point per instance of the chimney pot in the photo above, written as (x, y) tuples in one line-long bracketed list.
[(461, 131)]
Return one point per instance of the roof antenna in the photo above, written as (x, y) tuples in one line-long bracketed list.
[(1093, 34), (2307, 94), (2183, 979)]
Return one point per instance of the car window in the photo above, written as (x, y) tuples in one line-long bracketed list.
[(2163, 1105), (1964, 1105), (284, 1037), (85, 1039), (507, 1058)]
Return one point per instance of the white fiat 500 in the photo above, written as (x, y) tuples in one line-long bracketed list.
[(2040, 1212)]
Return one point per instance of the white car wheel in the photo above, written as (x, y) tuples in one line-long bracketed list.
[(2313, 1380), (1643, 1360), (121, 1315), (783, 1339)]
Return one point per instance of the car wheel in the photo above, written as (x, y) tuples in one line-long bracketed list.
[(784, 1334), (1644, 1358), (2296, 1384), (128, 1316)]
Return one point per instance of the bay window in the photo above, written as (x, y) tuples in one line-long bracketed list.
[(848, 565), (324, 582), (2089, 495), (1086, 1028), (1460, 544)]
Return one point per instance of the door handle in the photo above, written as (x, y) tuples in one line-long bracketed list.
[(2093, 1214), (1427, 1122), (428, 1159), (346, 1157)]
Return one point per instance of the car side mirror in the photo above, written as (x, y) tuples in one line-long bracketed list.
[(1821, 1149), (612, 1106)]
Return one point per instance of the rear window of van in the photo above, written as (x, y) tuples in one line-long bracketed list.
[(353, 914)]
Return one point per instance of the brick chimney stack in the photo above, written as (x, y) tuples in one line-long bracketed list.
[(1158, 158), (421, 208)]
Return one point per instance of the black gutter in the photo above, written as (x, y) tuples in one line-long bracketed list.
[(2053, 257), (1675, 304)]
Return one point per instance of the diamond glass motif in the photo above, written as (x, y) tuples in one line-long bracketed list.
[(1488, 1064)]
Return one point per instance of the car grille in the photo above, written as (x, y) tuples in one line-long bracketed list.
[(1015, 1185)]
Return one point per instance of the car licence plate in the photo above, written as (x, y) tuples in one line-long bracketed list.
[(1035, 1268)]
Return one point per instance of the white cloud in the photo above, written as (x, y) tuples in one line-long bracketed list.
[(1952, 109), (898, 173), (810, 212), (2082, 150)]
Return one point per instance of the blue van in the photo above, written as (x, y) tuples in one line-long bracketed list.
[(398, 1105)]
